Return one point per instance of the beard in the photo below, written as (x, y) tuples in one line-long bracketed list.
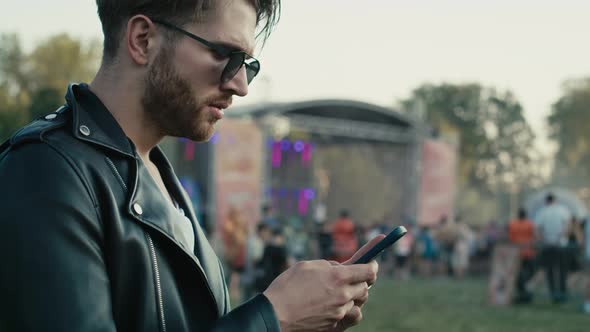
[(170, 103)]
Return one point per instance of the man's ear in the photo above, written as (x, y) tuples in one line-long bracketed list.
[(140, 39)]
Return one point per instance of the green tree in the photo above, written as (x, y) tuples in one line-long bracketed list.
[(568, 126), (32, 84), (496, 144), (61, 59)]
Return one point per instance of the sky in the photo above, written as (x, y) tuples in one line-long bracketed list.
[(378, 51)]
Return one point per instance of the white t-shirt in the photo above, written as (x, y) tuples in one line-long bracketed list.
[(552, 222)]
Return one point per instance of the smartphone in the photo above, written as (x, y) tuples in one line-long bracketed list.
[(390, 239)]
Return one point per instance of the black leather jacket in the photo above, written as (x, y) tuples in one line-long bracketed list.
[(86, 240)]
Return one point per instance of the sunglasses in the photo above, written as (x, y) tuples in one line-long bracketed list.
[(237, 59)]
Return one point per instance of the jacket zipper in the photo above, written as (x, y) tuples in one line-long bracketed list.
[(158, 282), (116, 173)]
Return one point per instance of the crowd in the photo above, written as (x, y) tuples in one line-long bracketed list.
[(553, 241)]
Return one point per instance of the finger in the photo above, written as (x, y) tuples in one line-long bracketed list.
[(352, 318), (363, 250), (375, 266), (360, 302), (347, 307), (356, 273), (333, 263), (358, 291)]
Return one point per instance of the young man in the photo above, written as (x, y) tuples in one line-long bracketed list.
[(551, 224), (96, 233)]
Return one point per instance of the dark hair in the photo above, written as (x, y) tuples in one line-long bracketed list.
[(521, 213), (549, 198), (261, 227), (114, 14), (344, 214)]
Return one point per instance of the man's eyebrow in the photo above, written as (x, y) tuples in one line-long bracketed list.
[(233, 46)]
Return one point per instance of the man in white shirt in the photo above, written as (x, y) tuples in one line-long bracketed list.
[(552, 223)]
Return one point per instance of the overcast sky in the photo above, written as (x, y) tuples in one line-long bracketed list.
[(379, 50)]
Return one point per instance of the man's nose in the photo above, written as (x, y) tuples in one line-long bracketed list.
[(238, 85)]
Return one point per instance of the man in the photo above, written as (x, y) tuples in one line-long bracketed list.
[(96, 233), (345, 242), (447, 235), (521, 232), (552, 223), (274, 260)]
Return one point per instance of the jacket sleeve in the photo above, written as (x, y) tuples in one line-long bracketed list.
[(256, 315), (53, 275)]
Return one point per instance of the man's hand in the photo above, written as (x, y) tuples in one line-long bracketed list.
[(322, 296), (355, 315)]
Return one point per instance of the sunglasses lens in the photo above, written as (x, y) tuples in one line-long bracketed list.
[(252, 70), (233, 66)]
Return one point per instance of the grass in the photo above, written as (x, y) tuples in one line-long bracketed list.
[(461, 306)]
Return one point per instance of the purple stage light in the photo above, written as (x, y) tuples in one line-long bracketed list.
[(299, 146), (285, 145)]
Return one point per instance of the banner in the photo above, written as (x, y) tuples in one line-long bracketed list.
[(437, 182), (238, 170)]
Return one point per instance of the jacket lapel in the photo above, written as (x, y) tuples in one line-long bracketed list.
[(206, 256)]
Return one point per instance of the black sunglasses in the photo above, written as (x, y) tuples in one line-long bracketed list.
[(236, 58)]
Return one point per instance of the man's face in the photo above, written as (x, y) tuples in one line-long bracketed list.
[(184, 95)]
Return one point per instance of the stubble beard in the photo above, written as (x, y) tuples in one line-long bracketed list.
[(170, 103)]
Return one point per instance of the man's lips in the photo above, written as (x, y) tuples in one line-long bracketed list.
[(217, 108), (221, 104)]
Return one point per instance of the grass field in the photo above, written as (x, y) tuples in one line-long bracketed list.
[(448, 305)]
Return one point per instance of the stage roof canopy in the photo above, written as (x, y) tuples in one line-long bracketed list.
[(344, 118)]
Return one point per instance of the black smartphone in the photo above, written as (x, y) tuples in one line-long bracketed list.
[(390, 239)]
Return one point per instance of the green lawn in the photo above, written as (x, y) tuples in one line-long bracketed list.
[(448, 305)]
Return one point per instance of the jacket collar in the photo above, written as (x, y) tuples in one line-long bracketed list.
[(96, 124)]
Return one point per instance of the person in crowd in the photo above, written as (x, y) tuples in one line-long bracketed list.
[(275, 258), (426, 249), (586, 266), (268, 217), (235, 234), (461, 249), (254, 252), (575, 245), (552, 223), (521, 232), (345, 242), (403, 250), (446, 236)]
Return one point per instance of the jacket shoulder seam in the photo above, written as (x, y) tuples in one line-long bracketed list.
[(80, 176)]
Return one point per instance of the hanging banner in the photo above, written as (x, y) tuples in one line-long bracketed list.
[(437, 182)]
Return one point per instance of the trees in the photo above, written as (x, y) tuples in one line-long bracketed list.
[(496, 144), (32, 84), (568, 127)]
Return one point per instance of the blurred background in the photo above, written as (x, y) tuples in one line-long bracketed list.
[(446, 116)]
